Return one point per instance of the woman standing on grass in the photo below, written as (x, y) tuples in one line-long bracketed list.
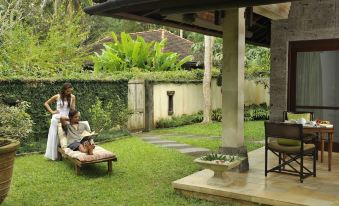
[(65, 101)]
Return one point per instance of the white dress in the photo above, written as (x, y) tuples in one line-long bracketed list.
[(52, 141)]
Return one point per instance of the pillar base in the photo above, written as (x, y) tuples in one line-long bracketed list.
[(241, 151)]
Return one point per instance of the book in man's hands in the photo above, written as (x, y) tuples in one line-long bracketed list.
[(88, 136)]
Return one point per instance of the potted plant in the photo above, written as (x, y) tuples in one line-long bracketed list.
[(219, 163), (15, 124)]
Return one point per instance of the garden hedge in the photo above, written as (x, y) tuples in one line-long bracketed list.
[(37, 92)]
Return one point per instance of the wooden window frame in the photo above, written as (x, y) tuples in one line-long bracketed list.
[(305, 46)]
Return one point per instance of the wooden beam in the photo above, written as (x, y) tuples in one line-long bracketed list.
[(197, 22), (166, 22), (273, 11), (198, 6)]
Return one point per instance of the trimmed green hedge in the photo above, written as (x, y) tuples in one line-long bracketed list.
[(187, 119), (37, 92), (133, 73), (181, 120), (251, 113)]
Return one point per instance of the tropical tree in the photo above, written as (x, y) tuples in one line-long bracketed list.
[(198, 47), (72, 6), (257, 59), (257, 64), (209, 41), (40, 47), (10, 15)]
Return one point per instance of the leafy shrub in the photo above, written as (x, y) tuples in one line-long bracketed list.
[(252, 112), (217, 115), (15, 122), (113, 114), (256, 112), (185, 119), (100, 117), (180, 120), (119, 112), (128, 53)]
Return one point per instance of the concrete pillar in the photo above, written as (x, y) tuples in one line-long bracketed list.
[(233, 84)]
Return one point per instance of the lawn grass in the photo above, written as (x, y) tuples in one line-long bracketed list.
[(253, 132), (142, 176)]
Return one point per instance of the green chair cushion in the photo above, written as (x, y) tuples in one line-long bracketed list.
[(288, 142), (306, 116), (289, 149)]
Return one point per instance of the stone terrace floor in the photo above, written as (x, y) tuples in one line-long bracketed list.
[(276, 189)]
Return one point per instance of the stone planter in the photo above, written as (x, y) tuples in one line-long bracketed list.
[(219, 167), (7, 155)]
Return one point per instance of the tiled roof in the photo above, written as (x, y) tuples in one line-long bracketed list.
[(174, 43)]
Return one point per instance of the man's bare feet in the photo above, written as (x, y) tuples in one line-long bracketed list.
[(90, 149), (83, 148)]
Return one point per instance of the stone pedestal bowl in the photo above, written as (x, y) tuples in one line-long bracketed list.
[(219, 167)]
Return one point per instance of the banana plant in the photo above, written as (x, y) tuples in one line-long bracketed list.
[(125, 53)]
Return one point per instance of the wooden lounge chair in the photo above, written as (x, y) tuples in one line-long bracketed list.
[(80, 159)]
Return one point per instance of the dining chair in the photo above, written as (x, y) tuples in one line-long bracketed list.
[(308, 116), (293, 154), (288, 115)]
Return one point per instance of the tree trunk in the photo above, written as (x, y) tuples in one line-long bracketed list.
[(56, 6), (181, 33), (209, 40)]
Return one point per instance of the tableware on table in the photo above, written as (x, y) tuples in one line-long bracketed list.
[(301, 121)]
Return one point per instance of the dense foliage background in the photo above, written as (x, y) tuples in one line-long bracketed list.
[(45, 38), (87, 93), (44, 43)]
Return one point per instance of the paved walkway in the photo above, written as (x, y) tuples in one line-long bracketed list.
[(158, 139)]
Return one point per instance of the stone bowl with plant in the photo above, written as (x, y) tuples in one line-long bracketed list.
[(15, 125), (219, 163)]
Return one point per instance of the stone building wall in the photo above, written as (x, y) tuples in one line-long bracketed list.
[(308, 20)]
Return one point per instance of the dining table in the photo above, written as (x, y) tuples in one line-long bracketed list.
[(322, 131)]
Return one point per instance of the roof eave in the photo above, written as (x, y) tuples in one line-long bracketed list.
[(118, 6)]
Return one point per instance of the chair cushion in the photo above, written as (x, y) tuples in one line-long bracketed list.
[(291, 115), (288, 142), (98, 154), (289, 149)]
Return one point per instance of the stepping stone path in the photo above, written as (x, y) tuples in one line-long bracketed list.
[(182, 148), (195, 136)]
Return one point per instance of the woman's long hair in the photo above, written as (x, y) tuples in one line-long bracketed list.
[(63, 96)]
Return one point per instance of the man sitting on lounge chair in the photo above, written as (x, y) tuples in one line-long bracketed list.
[(75, 132)]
